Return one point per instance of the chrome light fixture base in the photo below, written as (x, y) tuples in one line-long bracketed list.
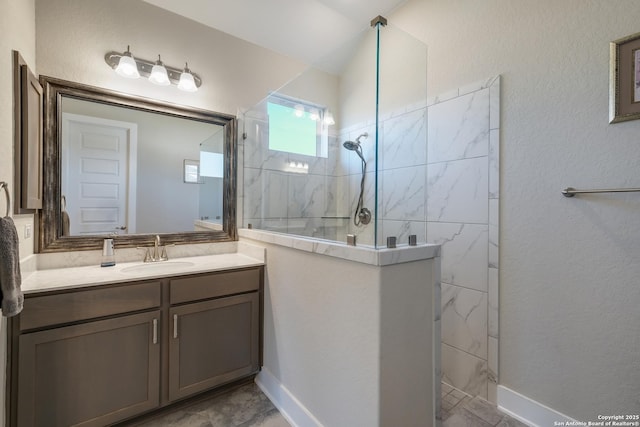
[(145, 67)]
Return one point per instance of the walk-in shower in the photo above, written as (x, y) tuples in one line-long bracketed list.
[(324, 156), (361, 215)]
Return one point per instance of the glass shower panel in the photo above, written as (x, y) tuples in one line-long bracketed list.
[(313, 148), (299, 177), (402, 137)]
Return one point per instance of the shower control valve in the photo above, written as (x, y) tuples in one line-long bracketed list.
[(364, 216)]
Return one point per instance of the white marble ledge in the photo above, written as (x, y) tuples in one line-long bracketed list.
[(362, 254), (94, 275)]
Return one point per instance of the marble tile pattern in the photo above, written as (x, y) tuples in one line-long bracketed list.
[(457, 191), (245, 406), (462, 410), (279, 197), (466, 253), (464, 319), (367, 255), (462, 213)]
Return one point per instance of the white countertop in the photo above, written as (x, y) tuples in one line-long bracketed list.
[(77, 277)]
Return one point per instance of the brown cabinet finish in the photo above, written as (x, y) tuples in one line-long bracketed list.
[(90, 374), (212, 343), (208, 286), (101, 355), (28, 137), (85, 304), (31, 140)]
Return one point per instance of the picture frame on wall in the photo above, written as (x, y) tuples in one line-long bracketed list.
[(624, 79), (191, 172)]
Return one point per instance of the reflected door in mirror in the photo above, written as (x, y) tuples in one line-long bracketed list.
[(98, 168)]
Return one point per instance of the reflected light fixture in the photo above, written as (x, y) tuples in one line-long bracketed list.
[(127, 66), (187, 83), (299, 110), (314, 114), (159, 74), (328, 118)]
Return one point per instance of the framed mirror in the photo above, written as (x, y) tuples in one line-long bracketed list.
[(115, 166)]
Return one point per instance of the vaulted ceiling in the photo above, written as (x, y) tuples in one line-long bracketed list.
[(303, 29)]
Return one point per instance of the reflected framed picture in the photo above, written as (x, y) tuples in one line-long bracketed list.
[(191, 171), (624, 79)]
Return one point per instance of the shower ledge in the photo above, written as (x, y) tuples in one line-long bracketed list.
[(362, 254)]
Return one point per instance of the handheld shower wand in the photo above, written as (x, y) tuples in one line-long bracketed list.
[(362, 215)]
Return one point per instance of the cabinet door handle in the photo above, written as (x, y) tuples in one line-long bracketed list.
[(175, 326), (155, 331)]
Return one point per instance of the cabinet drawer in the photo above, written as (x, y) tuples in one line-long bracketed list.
[(49, 310), (213, 285)]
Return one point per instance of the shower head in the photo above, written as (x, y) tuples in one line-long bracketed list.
[(355, 146), (351, 146)]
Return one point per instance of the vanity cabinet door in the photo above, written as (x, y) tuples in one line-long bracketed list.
[(90, 374), (213, 342)]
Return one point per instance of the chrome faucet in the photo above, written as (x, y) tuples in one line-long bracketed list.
[(159, 252), (156, 243)]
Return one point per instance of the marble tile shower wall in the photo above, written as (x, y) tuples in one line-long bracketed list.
[(462, 216), (278, 197)]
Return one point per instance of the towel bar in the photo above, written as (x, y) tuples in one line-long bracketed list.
[(6, 192), (570, 192)]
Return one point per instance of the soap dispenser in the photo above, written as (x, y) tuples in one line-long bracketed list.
[(108, 255)]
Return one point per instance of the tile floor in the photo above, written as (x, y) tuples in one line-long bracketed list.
[(247, 406), (462, 410)]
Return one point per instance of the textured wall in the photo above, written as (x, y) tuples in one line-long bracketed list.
[(74, 36), (17, 20), (569, 268)]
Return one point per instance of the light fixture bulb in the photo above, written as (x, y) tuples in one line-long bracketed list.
[(159, 75), (187, 83), (314, 114), (299, 110), (127, 66), (328, 118)]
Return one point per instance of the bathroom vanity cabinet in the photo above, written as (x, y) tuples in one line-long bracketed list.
[(99, 355), (197, 361)]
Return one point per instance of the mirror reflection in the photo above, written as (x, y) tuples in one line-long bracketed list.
[(117, 163), (127, 171)]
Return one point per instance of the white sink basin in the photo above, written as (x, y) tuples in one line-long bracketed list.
[(157, 267)]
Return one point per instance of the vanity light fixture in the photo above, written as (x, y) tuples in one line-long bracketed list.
[(187, 82), (159, 74), (128, 66)]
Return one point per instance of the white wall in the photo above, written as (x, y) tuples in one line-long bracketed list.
[(347, 343), (17, 20), (568, 282), (74, 36)]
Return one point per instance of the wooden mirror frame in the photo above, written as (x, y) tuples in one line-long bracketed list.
[(49, 220)]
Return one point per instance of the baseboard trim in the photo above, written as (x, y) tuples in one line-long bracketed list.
[(291, 409), (527, 410)]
